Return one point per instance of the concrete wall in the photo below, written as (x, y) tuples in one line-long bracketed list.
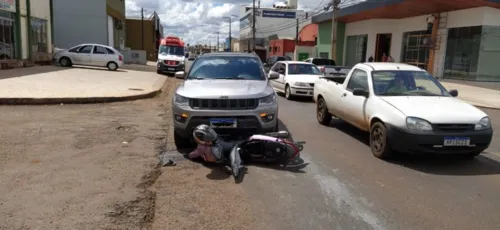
[(77, 22), (134, 37), (310, 50), (134, 56)]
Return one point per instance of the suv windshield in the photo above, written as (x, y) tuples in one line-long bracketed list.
[(173, 50), (294, 69), (323, 61), (406, 83), (227, 67)]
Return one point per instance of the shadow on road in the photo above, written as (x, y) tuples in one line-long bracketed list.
[(218, 172), (22, 72), (449, 164), (95, 68), (427, 163)]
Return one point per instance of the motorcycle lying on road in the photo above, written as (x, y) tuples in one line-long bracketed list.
[(270, 148)]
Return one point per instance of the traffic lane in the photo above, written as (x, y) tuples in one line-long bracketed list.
[(494, 115), (419, 192)]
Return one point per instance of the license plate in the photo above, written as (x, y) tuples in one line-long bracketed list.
[(456, 141), (223, 123), (170, 69)]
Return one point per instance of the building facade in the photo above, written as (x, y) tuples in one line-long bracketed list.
[(463, 41), (145, 35), (280, 21), (89, 21), (25, 30)]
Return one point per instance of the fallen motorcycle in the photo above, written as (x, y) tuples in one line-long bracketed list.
[(270, 148)]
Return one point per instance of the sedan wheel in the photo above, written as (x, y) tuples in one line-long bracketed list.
[(64, 62), (288, 94), (112, 66), (379, 143)]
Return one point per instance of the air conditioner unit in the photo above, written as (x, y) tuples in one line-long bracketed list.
[(118, 24)]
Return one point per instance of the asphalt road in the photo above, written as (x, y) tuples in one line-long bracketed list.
[(345, 187)]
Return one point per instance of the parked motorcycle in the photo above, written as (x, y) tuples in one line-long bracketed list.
[(271, 148)]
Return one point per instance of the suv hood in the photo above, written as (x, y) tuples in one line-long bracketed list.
[(170, 57), (231, 88), (437, 109)]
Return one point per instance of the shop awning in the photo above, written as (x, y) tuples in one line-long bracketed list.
[(395, 9)]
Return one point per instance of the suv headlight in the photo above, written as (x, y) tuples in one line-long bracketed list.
[(268, 100), (418, 124), (180, 100), (484, 123), (303, 84)]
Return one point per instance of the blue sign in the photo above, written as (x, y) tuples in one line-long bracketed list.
[(278, 14)]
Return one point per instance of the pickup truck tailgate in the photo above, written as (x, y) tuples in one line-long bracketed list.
[(335, 71)]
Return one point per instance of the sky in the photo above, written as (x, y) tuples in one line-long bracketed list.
[(197, 21)]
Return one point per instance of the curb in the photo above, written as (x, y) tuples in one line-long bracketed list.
[(77, 100)]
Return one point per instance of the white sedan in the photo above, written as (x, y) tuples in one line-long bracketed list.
[(90, 55), (295, 78), (405, 110)]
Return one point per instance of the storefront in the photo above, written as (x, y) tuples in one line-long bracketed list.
[(7, 30), (416, 48)]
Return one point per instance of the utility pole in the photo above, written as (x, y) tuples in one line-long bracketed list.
[(230, 44), (297, 32), (217, 41), (253, 26), (335, 5), (142, 28)]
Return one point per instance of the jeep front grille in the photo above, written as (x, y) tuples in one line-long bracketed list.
[(224, 104)]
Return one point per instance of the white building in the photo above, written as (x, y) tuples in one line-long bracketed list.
[(280, 21), (462, 43), (25, 30)]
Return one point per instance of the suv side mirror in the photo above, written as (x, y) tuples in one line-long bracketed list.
[(180, 74), (453, 92), (274, 75), (360, 92)]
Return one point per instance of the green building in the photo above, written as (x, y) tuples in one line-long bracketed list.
[(324, 43)]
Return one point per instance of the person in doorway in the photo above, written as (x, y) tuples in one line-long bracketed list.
[(384, 57), (390, 59), (370, 59)]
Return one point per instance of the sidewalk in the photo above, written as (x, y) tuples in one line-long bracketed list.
[(480, 97), (55, 85)]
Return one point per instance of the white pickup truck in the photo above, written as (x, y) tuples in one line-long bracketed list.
[(328, 66), (404, 109)]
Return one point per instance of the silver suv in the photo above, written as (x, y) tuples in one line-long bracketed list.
[(228, 91)]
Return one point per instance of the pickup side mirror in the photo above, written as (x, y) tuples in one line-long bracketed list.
[(274, 75), (360, 92), (191, 59), (180, 74), (453, 92)]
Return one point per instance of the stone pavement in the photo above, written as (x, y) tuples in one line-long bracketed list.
[(54, 84), (478, 96)]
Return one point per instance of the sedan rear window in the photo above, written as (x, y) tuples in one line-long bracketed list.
[(227, 67)]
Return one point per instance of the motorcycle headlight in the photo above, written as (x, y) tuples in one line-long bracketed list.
[(484, 123), (303, 84), (268, 100), (180, 100), (418, 124)]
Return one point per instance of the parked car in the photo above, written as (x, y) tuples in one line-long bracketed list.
[(90, 55), (228, 91), (272, 60), (328, 66), (295, 78), (404, 109)]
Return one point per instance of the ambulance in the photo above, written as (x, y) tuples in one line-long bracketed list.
[(171, 55)]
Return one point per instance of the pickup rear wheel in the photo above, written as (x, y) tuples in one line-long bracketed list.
[(322, 114), (379, 143)]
